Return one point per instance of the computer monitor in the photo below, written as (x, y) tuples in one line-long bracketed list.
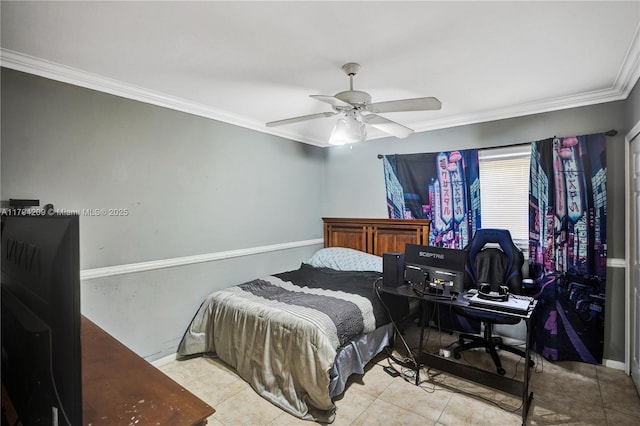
[(436, 269), (41, 349)]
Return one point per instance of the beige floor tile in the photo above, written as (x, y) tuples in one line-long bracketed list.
[(553, 408), (424, 401), (612, 375), (564, 393), (246, 408), (559, 380), (207, 378), (460, 386), (465, 410), (213, 421), (382, 413), (286, 419), (181, 371), (621, 396), (373, 382), (192, 368), (215, 393), (352, 405), (479, 358), (435, 380), (620, 419), (568, 369)]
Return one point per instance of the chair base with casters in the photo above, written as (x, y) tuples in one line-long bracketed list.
[(490, 343)]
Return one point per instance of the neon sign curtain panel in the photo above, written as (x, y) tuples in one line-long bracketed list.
[(441, 186), (568, 245)]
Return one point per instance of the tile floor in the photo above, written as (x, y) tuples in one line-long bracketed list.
[(564, 393)]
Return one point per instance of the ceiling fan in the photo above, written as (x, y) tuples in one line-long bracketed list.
[(357, 111)]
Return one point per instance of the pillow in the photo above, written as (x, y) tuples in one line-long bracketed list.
[(345, 259)]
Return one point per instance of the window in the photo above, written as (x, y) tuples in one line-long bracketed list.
[(504, 190)]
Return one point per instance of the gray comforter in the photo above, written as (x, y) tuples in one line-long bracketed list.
[(281, 332)]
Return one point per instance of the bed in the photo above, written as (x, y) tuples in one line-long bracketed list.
[(297, 336)]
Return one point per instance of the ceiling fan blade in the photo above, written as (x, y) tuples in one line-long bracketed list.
[(416, 104), (333, 101), (388, 126), (301, 118)]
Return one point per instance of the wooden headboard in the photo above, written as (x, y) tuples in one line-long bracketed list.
[(375, 236)]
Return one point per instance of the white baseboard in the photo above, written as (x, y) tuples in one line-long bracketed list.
[(164, 360), (616, 365), (614, 262)]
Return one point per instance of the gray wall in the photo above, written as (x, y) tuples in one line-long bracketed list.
[(195, 186), (633, 108), (354, 183), (191, 186)]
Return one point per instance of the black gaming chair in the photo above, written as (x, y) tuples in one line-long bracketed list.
[(499, 267)]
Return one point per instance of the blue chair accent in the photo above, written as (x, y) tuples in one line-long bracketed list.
[(497, 266)]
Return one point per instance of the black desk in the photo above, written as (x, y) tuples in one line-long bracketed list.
[(484, 377)]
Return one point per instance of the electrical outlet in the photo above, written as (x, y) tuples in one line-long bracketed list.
[(444, 352)]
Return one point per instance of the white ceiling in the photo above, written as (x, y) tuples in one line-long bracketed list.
[(248, 63)]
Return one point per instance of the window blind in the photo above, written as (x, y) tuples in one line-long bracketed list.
[(504, 190)]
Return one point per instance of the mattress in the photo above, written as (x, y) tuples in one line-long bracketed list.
[(295, 336)]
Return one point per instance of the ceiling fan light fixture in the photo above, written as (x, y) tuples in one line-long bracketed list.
[(353, 103), (348, 129)]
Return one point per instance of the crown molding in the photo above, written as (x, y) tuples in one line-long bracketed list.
[(629, 72), (555, 104), (626, 79), (54, 71)]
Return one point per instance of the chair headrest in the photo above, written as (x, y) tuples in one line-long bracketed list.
[(502, 237)]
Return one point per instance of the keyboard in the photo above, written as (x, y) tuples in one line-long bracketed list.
[(522, 297), (517, 304)]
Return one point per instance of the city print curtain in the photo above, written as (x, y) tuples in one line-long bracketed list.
[(568, 245), (441, 186)]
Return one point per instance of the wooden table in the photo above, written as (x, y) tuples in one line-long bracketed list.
[(121, 388)]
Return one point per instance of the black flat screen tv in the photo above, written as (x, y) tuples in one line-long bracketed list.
[(41, 347)]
